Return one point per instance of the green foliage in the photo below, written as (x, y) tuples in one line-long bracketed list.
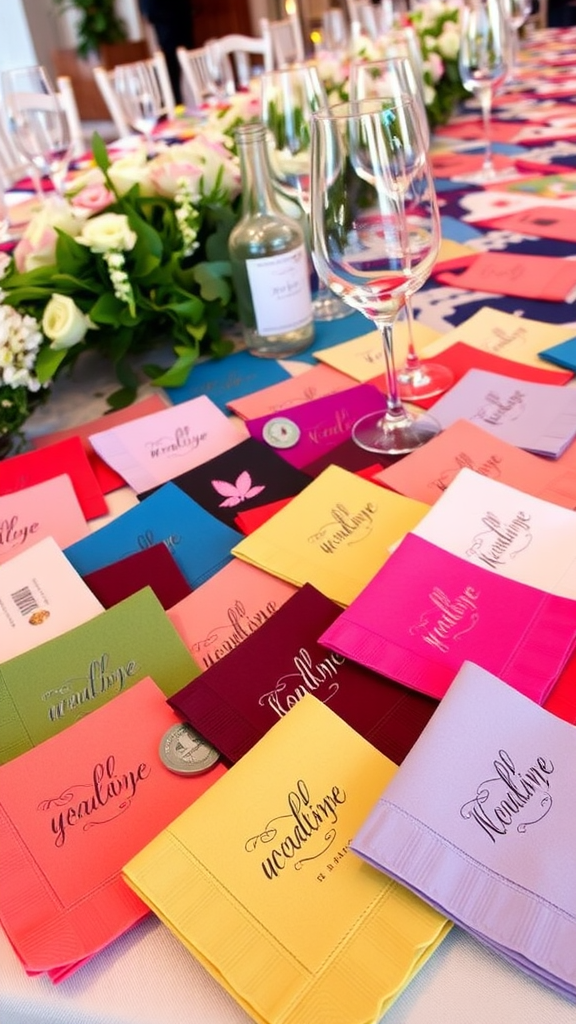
[(98, 23)]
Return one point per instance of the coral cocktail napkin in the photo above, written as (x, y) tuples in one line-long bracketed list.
[(217, 617), (426, 611), (235, 702), (428, 471), (479, 820), (49, 509), (72, 812), (256, 879), (502, 529), (334, 534)]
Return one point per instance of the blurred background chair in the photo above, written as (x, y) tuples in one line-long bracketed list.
[(199, 78), (285, 38), (242, 49), (107, 81)]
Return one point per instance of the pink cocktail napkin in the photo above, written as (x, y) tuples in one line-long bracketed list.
[(479, 821), (426, 611)]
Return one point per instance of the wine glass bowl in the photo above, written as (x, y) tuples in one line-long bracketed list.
[(484, 61), (37, 123), (375, 234), (392, 79), (139, 95), (289, 98)]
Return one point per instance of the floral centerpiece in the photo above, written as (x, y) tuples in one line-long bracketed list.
[(437, 31), (137, 251)]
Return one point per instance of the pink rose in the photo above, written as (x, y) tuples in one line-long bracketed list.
[(40, 252), (166, 177), (94, 198)]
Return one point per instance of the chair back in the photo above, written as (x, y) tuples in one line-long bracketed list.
[(105, 80), (196, 73), (241, 48), (285, 38)]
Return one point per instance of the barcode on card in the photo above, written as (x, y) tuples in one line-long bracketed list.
[(24, 600)]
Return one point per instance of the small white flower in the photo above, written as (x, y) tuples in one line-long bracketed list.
[(20, 341)]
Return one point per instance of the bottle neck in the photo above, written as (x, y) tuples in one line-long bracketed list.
[(258, 194)]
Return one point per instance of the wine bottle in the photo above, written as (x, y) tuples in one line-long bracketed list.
[(269, 259)]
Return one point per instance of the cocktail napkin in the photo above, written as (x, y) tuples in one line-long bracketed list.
[(426, 611), (199, 543), (49, 688), (335, 534), (502, 529), (152, 449), (72, 812), (236, 701), (153, 567), (41, 597), (315, 382), (217, 617), (304, 432), (66, 456), (246, 476), (48, 509), (479, 821), (428, 471), (540, 418), (256, 879)]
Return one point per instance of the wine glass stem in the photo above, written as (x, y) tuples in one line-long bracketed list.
[(486, 104), (394, 406)]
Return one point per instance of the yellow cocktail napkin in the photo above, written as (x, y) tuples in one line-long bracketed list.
[(335, 534), (256, 879)]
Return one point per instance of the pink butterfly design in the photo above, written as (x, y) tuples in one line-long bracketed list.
[(236, 493)]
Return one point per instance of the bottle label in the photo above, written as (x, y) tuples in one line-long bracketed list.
[(280, 287)]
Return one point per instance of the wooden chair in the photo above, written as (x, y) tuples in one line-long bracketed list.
[(197, 76), (105, 80), (285, 39)]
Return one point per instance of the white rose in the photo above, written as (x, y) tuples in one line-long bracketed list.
[(108, 231), (129, 171), (63, 322), (448, 43)]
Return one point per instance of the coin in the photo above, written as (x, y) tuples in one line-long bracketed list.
[(281, 432), (185, 752)]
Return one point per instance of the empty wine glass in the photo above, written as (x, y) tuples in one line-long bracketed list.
[(289, 97), (375, 234), (517, 11), (391, 79), (140, 97), (484, 61), (334, 32), (37, 124), (219, 70)]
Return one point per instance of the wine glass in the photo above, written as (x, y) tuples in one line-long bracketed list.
[(219, 70), (37, 123), (390, 79), (289, 97), (376, 234), (139, 95), (334, 32), (483, 62), (517, 12)]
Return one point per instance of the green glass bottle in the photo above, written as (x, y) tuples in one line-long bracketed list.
[(269, 259)]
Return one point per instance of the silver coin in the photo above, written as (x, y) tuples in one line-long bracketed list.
[(281, 432), (185, 752)]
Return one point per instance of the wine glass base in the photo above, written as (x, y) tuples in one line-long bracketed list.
[(424, 381), (379, 433), (330, 307)]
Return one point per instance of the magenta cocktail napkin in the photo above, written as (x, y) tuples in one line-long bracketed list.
[(479, 821), (426, 611)]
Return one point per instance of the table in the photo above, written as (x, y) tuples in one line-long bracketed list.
[(146, 976)]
